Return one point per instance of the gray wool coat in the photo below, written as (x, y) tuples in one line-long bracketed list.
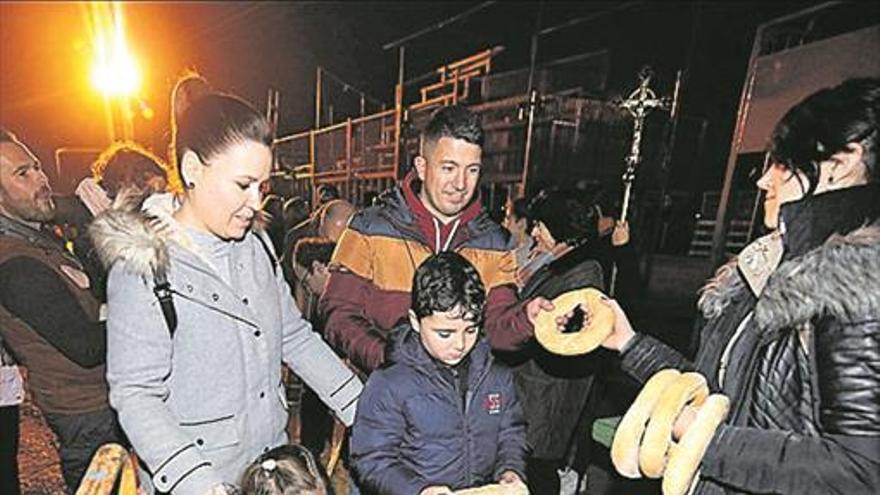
[(199, 407)]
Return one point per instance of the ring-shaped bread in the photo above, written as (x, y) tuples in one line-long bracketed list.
[(689, 389), (599, 325), (628, 436), (685, 458)]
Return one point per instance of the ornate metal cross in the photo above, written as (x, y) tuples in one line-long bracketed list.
[(638, 104)]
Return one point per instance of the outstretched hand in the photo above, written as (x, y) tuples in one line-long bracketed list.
[(623, 331), (535, 306)]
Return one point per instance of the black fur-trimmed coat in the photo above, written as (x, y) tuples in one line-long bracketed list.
[(801, 364)]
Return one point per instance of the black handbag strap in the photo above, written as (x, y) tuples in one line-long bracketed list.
[(162, 289)]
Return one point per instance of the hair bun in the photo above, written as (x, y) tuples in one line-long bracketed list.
[(189, 88)]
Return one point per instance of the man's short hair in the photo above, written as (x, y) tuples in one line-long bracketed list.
[(311, 249), (455, 122), (447, 281)]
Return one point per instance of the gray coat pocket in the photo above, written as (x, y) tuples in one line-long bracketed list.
[(212, 434)]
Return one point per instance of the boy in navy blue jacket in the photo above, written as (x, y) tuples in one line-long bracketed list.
[(441, 415)]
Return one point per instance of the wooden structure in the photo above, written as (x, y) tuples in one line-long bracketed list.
[(575, 135)]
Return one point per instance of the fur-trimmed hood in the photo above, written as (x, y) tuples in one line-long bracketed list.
[(138, 241), (841, 278), (139, 238)]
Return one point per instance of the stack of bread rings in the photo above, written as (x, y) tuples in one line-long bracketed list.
[(643, 442), (497, 489), (597, 328)]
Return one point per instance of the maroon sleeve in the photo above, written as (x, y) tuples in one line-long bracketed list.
[(507, 325), (347, 327)]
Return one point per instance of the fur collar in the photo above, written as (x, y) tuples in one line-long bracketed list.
[(841, 278), (138, 242)]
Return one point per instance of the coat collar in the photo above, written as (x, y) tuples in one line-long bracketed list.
[(840, 278)]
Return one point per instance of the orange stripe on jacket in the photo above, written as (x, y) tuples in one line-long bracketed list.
[(358, 253)]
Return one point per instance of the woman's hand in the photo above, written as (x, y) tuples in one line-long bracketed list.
[(509, 478), (684, 421), (535, 306), (436, 490), (622, 332)]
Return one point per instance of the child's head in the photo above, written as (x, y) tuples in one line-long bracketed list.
[(448, 298), (285, 470)]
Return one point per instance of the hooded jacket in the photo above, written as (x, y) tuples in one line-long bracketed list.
[(200, 405), (368, 292), (800, 360), (416, 426)]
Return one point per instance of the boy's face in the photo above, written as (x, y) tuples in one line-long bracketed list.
[(446, 336)]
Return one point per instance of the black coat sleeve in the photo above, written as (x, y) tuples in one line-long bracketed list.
[(845, 458), (646, 355), (35, 294)]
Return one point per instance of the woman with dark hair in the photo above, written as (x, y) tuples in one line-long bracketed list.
[(199, 316), (790, 331), (554, 390)]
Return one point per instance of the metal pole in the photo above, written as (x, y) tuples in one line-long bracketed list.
[(533, 102), (401, 60), (318, 98), (527, 152), (398, 110)]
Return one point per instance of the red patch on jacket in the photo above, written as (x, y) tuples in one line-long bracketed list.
[(492, 403)]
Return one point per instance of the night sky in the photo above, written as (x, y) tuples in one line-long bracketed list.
[(244, 48)]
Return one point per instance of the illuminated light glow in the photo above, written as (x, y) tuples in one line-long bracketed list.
[(115, 72)]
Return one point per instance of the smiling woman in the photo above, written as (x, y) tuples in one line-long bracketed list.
[(197, 383)]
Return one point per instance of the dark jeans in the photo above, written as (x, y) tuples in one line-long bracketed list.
[(9, 418), (79, 436)]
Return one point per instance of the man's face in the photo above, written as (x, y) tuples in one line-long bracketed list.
[(24, 187), (450, 172), (446, 336), (316, 278)]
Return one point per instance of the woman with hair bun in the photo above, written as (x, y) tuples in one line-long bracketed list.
[(200, 318)]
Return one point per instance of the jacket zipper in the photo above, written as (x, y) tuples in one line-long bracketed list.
[(469, 396)]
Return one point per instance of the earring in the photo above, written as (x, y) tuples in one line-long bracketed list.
[(190, 185)]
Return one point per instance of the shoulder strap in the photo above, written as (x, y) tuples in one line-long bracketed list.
[(162, 289)]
